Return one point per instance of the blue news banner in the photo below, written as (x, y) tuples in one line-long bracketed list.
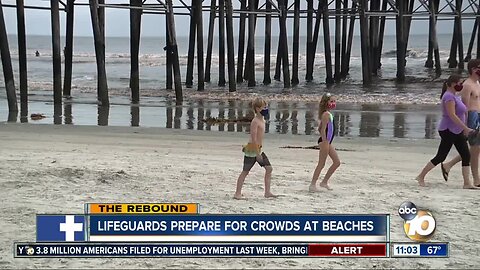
[(213, 228), (251, 225)]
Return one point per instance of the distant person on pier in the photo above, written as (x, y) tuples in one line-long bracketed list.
[(471, 98), (452, 130), (37, 54)]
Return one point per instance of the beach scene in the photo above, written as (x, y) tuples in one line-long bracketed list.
[(56, 157)]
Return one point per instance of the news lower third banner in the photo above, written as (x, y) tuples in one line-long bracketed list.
[(213, 228), (179, 230), (89, 250)]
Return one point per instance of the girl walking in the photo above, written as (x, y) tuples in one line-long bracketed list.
[(326, 128)]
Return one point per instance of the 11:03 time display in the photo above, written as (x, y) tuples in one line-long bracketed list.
[(406, 249)]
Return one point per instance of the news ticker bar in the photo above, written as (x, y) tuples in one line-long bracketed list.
[(403, 250), (88, 250)]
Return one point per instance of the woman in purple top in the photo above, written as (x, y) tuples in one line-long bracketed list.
[(452, 130)]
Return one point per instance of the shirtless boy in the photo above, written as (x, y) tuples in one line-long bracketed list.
[(253, 150)]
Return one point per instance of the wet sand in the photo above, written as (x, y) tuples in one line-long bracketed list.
[(56, 169), (286, 117)]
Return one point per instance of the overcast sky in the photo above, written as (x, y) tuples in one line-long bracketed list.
[(117, 22)]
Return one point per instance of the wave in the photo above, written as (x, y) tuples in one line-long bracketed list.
[(415, 53), (152, 59)]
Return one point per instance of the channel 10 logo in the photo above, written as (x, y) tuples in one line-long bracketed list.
[(419, 224)]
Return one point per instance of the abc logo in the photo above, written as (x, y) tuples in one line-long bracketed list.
[(419, 225), (407, 211)]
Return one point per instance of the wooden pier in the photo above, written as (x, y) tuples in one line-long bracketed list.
[(369, 16)]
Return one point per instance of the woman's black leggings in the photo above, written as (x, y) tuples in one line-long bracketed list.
[(449, 139)]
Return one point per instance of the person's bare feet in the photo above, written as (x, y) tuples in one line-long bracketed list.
[(325, 185), (238, 196), (313, 188), (421, 182), (470, 187), (270, 195)]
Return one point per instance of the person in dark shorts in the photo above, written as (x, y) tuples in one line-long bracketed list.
[(473, 122), (253, 150), (248, 162), (326, 128)]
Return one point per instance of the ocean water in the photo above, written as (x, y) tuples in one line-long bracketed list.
[(153, 61), (401, 121)]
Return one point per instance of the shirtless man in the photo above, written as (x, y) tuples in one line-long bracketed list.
[(253, 150), (471, 98)]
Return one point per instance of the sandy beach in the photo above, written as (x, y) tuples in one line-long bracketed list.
[(56, 169)]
